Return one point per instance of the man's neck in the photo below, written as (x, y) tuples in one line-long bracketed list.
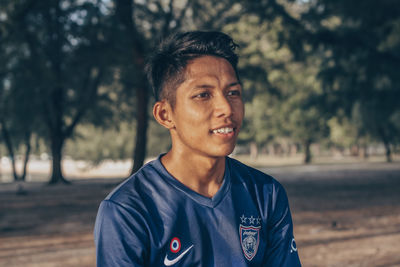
[(201, 174)]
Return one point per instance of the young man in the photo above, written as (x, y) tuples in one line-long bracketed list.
[(195, 206)]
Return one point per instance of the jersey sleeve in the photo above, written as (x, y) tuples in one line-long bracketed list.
[(120, 237), (282, 250)]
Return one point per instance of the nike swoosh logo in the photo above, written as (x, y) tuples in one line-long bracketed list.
[(169, 262)]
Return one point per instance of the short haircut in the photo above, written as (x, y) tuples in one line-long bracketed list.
[(166, 68)]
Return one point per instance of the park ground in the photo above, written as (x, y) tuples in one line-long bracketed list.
[(345, 214)]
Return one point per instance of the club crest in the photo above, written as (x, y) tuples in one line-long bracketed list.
[(250, 237)]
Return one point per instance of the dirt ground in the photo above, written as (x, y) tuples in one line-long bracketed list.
[(344, 215)]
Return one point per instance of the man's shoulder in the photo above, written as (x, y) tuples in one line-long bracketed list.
[(137, 185)]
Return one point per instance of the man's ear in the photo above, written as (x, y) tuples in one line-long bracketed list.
[(162, 113)]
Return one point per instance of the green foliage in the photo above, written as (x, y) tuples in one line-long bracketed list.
[(342, 132), (360, 66), (281, 93), (311, 70), (95, 144)]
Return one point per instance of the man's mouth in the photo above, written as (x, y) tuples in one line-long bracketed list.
[(223, 130)]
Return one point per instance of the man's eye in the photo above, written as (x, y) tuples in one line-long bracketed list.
[(202, 95), (234, 93)]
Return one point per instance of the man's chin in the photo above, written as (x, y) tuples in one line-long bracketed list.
[(225, 152)]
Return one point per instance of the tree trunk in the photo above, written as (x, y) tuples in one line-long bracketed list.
[(57, 143), (27, 152), (388, 152), (253, 151), (355, 150), (10, 148), (307, 152), (386, 143), (124, 12), (141, 129), (365, 151)]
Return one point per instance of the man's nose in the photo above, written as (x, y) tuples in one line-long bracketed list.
[(222, 106)]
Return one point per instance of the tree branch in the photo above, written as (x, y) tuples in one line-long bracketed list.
[(87, 102)]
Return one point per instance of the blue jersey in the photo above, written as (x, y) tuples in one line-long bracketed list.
[(152, 219)]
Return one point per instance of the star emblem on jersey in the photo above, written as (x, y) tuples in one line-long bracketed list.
[(252, 219), (243, 219), (175, 247), (250, 235)]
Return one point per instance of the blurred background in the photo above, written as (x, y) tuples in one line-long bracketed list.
[(321, 88)]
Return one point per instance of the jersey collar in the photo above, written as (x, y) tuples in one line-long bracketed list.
[(202, 200)]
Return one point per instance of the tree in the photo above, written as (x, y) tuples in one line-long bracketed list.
[(358, 45), (65, 50), (360, 40), (16, 127), (133, 64), (282, 92), (17, 105)]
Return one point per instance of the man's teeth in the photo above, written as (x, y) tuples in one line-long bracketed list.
[(223, 130)]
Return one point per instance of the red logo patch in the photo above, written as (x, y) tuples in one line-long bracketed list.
[(175, 245)]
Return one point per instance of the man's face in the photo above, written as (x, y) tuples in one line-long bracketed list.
[(209, 110)]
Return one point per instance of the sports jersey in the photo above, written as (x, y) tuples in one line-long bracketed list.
[(152, 219)]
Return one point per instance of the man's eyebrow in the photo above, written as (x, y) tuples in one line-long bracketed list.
[(202, 86), (208, 86), (234, 84)]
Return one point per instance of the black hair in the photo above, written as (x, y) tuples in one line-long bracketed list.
[(165, 69)]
